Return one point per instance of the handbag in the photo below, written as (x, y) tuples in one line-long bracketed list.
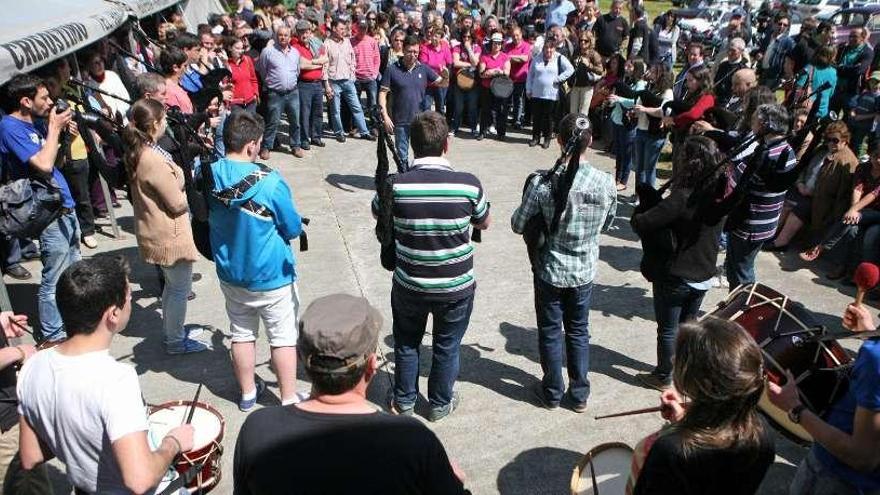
[(564, 87), (799, 95)]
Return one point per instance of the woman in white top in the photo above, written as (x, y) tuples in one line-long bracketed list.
[(650, 136), (667, 38), (108, 82)]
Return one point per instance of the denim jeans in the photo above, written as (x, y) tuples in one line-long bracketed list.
[(344, 90), (567, 309), (465, 102), (401, 142), (287, 101), (623, 143), (59, 248), (518, 102), (178, 284), (647, 152), (435, 97), (813, 478), (371, 87), (13, 250), (739, 264), (450, 321), (311, 110), (674, 302)]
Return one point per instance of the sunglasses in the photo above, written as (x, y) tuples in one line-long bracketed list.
[(833, 140)]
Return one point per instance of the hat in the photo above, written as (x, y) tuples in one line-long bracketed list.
[(337, 332), (303, 25), (875, 76), (496, 38)]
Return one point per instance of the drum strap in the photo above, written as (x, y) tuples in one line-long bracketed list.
[(181, 481)]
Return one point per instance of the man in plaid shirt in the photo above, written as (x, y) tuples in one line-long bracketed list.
[(565, 268)]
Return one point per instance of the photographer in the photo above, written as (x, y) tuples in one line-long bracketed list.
[(29, 140)]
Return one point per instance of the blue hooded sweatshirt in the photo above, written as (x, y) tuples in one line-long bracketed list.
[(253, 251)]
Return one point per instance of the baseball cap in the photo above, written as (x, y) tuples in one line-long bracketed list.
[(338, 332), (496, 38), (875, 76)]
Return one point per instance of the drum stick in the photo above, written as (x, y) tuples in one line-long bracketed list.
[(21, 327), (192, 409), (631, 413)]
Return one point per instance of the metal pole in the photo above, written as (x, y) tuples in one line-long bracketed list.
[(110, 209)]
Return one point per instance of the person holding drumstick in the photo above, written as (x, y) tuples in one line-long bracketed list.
[(716, 438), (493, 64), (79, 404), (845, 458)]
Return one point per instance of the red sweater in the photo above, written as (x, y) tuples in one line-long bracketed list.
[(245, 87), (696, 112)]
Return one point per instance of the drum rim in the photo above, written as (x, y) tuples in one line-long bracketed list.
[(598, 449)]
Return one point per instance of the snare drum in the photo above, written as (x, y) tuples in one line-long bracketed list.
[(783, 329), (501, 87), (208, 426), (603, 471)]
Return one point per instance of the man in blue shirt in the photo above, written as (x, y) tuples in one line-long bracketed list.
[(845, 458), (252, 221), (279, 66), (557, 12), (30, 150), (407, 80)]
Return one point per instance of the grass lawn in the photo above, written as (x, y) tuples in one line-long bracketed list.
[(653, 8)]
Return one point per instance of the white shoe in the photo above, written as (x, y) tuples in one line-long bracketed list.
[(90, 242)]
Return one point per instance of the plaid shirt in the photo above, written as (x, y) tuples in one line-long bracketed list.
[(570, 255)]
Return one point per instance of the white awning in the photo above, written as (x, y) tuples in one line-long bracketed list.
[(143, 8), (34, 35)]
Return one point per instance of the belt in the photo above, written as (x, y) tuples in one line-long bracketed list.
[(303, 81)]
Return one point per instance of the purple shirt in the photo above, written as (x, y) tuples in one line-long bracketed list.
[(280, 69)]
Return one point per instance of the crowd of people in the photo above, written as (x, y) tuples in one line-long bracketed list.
[(766, 137)]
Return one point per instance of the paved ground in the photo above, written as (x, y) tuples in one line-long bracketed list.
[(503, 442)]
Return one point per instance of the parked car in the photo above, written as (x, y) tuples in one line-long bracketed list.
[(845, 20)]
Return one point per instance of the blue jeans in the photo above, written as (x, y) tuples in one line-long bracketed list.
[(518, 102), (371, 87), (813, 478), (450, 321), (311, 109), (623, 143), (178, 284), (739, 264), (278, 101), (465, 101), (569, 308), (435, 97), (13, 250), (647, 152), (343, 89), (401, 142), (675, 302), (59, 248)]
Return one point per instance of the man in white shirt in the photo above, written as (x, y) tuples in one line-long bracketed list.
[(80, 404)]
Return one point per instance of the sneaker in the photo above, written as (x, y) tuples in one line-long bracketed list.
[(193, 331), (438, 413), (18, 272), (480, 136), (186, 346), (264, 154), (653, 381), (90, 242), (341, 138), (578, 407), (318, 142), (541, 397), (367, 137), (399, 410), (247, 405), (305, 146), (298, 152), (533, 143)]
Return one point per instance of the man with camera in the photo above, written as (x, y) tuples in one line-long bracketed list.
[(565, 266), (29, 141)]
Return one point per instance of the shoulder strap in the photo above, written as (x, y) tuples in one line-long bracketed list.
[(245, 189)]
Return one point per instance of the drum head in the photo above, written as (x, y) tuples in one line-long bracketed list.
[(207, 423), (611, 462), (501, 87)]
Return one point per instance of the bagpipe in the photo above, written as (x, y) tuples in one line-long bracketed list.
[(536, 230)]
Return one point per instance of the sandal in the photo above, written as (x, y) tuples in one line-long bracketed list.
[(811, 254)]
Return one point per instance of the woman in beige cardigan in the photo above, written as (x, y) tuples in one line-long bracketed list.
[(161, 213)]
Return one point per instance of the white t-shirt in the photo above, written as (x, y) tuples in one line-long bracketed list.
[(79, 406)]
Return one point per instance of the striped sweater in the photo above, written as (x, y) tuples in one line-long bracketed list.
[(434, 207)]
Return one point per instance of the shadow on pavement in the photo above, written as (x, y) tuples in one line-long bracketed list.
[(536, 471), (340, 181)]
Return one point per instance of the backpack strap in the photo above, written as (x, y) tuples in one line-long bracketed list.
[(244, 189)]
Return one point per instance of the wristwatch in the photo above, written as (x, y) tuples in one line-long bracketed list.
[(794, 415)]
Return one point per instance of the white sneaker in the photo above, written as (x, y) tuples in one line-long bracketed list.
[(90, 242)]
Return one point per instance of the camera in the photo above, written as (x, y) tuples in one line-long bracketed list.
[(61, 105)]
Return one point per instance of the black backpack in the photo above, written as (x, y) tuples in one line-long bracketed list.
[(28, 206)]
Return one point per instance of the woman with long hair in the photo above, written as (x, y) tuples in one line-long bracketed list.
[(698, 99), (680, 247), (623, 100), (716, 437), (588, 69), (465, 57), (161, 213), (650, 135), (667, 39), (820, 71)]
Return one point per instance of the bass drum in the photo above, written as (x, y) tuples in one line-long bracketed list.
[(604, 470), (465, 79), (501, 87), (785, 329)]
